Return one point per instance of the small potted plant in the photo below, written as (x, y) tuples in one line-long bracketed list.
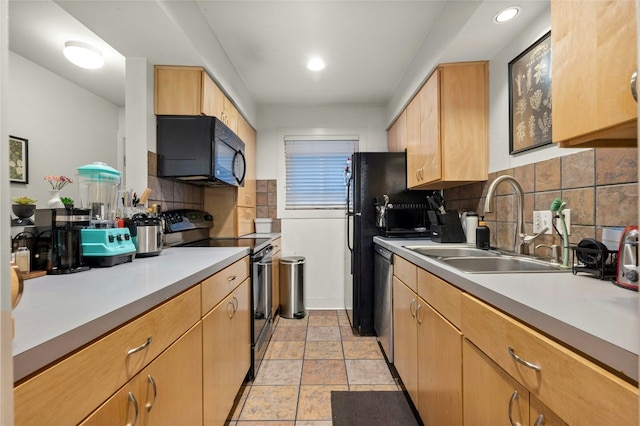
[(24, 208), (68, 202)]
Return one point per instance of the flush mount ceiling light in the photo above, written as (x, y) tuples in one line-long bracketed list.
[(83, 55), (506, 14), (315, 64)]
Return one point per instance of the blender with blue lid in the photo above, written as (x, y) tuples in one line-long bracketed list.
[(103, 243)]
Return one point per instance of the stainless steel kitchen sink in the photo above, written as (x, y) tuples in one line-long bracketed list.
[(477, 261), (501, 264), (432, 251)]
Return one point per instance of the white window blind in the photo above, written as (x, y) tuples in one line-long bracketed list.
[(315, 171)]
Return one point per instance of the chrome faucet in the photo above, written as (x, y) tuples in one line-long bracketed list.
[(521, 240)]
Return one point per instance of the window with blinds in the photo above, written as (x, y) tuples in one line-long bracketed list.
[(315, 170)]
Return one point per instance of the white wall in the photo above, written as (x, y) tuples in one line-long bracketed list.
[(319, 236), (499, 158), (66, 126)]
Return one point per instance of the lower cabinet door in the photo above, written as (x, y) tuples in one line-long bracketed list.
[(167, 392), (541, 415), (123, 408), (405, 337), (171, 386), (226, 336), (439, 368), (491, 396)]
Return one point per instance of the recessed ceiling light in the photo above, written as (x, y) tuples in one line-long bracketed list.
[(83, 55), (315, 64), (506, 14)]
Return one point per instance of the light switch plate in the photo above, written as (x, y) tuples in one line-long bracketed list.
[(542, 219), (567, 221)]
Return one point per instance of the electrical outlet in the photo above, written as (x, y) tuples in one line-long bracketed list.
[(542, 219), (567, 221)]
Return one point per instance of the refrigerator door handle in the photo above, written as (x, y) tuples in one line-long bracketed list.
[(349, 214)]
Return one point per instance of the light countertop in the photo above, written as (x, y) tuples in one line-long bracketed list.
[(60, 313), (593, 316)]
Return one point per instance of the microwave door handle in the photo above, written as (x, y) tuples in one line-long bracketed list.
[(244, 166)]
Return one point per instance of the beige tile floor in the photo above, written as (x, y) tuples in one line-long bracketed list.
[(305, 361)]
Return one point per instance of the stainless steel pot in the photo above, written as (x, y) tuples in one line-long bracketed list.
[(146, 233)]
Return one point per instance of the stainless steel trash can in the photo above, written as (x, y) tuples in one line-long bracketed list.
[(292, 287)]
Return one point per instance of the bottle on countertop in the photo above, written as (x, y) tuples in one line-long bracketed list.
[(23, 259), (471, 220), (483, 235)]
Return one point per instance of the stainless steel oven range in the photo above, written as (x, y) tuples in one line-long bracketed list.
[(190, 228)]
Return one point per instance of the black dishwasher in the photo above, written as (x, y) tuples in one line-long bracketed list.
[(383, 299)]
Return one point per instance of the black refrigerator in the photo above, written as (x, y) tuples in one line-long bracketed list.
[(372, 175)]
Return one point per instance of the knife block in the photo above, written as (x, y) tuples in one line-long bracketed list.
[(448, 228)]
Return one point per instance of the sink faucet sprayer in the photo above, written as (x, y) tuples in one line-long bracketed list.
[(521, 240), (556, 207)]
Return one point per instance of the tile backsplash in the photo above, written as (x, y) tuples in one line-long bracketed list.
[(600, 186), (267, 202), (170, 194)]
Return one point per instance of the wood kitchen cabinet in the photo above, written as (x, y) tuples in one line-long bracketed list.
[(447, 128), (184, 90), (405, 337), (491, 396), (427, 347), (69, 390), (247, 194), (397, 134), (594, 55), (229, 218), (167, 392), (575, 389), (226, 352)]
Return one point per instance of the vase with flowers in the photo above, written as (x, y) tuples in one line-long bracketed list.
[(57, 183)]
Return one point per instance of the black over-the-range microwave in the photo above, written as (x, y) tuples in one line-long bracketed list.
[(199, 149)]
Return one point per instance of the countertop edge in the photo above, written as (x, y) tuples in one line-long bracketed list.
[(607, 353), (44, 354)]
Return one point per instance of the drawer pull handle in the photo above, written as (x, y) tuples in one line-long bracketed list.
[(539, 420), (418, 316), (531, 365), (634, 87), (231, 278), (412, 308), (150, 405), (132, 400), (141, 347), (513, 398)]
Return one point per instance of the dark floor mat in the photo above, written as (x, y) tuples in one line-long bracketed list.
[(371, 408)]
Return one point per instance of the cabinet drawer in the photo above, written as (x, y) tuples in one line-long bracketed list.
[(406, 272), (578, 390), (445, 298), (68, 391), (218, 286)]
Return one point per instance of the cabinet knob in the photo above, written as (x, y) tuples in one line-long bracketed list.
[(634, 86)]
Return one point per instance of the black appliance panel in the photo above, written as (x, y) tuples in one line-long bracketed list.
[(199, 149), (374, 174)]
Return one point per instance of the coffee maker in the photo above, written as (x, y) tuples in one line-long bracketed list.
[(103, 243), (66, 240)]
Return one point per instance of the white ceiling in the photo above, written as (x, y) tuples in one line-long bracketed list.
[(259, 48)]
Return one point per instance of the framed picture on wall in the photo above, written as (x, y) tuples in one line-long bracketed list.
[(530, 97), (18, 160)]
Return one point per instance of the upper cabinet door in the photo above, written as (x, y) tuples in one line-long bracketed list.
[(447, 128), (594, 55), (178, 90), (397, 134)]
